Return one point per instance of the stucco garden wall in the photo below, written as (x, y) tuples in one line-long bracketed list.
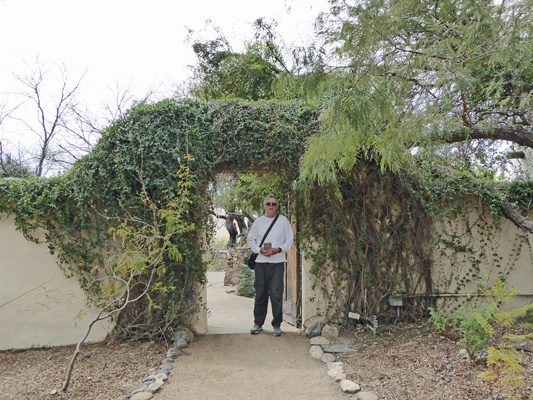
[(315, 304), (38, 305), (505, 250)]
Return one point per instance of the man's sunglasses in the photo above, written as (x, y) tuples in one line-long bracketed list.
[(271, 204)]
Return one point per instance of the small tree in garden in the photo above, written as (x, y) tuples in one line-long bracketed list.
[(480, 322), (131, 273), (503, 361)]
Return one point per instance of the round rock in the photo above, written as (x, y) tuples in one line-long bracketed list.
[(173, 352), (335, 371), (142, 396), (181, 343), (330, 332), (318, 341), (340, 377), (140, 390), (335, 364), (366, 396), (348, 386), (314, 329), (162, 377), (154, 387), (316, 352)]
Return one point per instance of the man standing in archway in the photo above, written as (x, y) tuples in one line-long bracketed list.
[(270, 263)]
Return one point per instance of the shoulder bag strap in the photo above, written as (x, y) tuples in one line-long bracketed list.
[(268, 230)]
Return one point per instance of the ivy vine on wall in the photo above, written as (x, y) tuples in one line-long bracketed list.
[(143, 152), (368, 232)]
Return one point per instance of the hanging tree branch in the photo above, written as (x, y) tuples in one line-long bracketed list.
[(518, 134)]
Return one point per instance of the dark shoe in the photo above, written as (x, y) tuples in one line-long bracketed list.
[(277, 331), (256, 329)]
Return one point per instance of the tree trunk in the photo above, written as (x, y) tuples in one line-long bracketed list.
[(232, 230), (519, 220)]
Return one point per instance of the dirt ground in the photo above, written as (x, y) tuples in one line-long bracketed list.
[(405, 361), (102, 371), (413, 361)]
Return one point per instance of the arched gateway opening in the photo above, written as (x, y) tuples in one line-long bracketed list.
[(157, 161), (229, 282), (157, 141), (271, 142)]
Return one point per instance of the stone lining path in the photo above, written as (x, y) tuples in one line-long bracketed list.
[(230, 363)]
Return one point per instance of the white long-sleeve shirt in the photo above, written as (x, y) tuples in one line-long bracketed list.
[(279, 236)]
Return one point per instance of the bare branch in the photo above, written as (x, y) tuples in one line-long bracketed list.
[(103, 315), (514, 133), (5, 111), (509, 211), (516, 218), (51, 111)]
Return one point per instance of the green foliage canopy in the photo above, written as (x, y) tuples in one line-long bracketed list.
[(223, 73), (409, 73), (138, 158)]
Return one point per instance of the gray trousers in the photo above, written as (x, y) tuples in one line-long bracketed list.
[(268, 283)]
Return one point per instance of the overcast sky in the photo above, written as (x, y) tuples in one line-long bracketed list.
[(130, 41)]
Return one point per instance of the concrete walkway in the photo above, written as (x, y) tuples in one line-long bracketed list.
[(231, 314), (230, 363)]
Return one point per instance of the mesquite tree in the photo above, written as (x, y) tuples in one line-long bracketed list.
[(447, 82)]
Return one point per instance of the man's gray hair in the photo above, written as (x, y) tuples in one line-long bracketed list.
[(270, 196)]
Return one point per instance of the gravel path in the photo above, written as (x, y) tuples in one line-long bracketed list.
[(246, 366)]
